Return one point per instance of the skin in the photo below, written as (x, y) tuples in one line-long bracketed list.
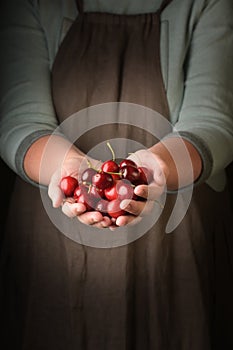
[(175, 163)]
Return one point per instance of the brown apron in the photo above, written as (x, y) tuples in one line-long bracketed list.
[(163, 292)]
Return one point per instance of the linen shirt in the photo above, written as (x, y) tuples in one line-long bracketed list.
[(196, 49)]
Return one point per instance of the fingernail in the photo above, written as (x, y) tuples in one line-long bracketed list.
[(125, 203), (139, 192)]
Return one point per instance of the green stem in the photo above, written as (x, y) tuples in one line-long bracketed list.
[(91, 166), (112, 173), (89, 163), (111, 149)]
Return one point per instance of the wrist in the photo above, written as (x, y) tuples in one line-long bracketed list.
[(46, 155), (182, 162)]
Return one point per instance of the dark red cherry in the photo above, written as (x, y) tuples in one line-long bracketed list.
[(88, 200), (77, 192), (146, 176), (114, 209), (110, 166), (111, 192), (102, 206), (86, 176), (68, 185), (124, 190), (130, 173), (82, 199), (96, 192), (102, 180), (126, 162)]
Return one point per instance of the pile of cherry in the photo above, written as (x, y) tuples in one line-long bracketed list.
[(103, 189)]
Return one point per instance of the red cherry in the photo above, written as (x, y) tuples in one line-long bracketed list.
[(77, 192), (110, 166), (86, 176), (146, 176), (102, 206), (111, 192), (68, 185), (80, 189), (102, 180), (88, 200), (124, 190), (114, 209), (126, 162), (98, 193), (130, 173), (82, 199)]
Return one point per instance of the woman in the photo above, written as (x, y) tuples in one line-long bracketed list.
[(160, 291)]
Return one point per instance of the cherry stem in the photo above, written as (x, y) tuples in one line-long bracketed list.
[(112, 173), (90, 165), (111, 149), (86, 183)]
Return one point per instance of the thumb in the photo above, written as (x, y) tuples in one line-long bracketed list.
[(55, 192)]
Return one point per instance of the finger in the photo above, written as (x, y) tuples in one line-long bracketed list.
[(73, 209), (54, 191), (90, 218), (105, 223), (151, 192), (137, 207), (113, 226), (129, 220), (56, 196)]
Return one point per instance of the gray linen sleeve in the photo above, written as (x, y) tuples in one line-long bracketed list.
[(26, 106), (207, 109)]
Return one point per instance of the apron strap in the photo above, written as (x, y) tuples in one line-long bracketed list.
[(164, 4), (79, 4)]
